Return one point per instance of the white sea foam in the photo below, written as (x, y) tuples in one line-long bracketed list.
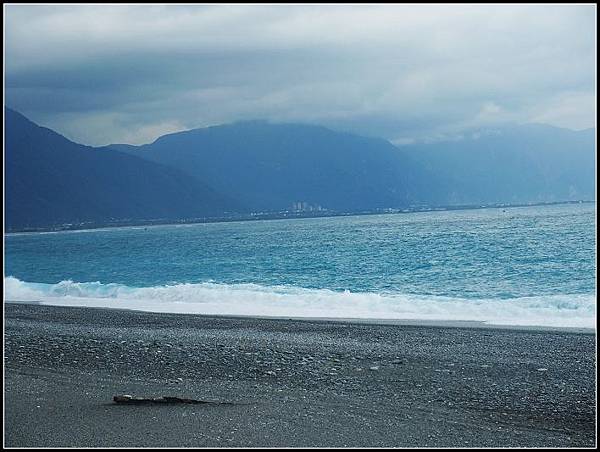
[(567, 310)]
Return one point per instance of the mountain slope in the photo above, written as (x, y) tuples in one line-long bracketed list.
[(271, 166), (529, 163), (50, 180)]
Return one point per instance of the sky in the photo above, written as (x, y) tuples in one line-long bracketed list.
[(102, 74)]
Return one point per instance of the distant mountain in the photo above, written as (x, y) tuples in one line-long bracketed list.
[(50, 180), (529, 163), (272, 167), (275, 166)]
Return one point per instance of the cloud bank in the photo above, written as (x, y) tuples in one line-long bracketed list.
[(129, 73)]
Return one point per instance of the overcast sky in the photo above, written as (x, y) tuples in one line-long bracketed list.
[(128, 74)]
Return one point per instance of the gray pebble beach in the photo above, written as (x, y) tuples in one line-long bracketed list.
[(290, 383)]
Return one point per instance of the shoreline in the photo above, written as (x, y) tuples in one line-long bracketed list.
[(286, 216), (290, 383), (367, 321)]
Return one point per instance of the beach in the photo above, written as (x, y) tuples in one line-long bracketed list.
[(284, 382)]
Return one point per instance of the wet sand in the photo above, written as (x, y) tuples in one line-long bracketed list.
[(290, 382)]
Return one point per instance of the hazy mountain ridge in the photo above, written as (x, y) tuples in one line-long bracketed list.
[(527, 163), (272, 167), (269, 166)]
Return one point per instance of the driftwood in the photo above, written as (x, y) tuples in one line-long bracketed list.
[(130, 400)]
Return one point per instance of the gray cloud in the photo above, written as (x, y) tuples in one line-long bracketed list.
[(102, 74)]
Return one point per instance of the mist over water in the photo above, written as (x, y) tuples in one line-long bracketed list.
[(522, 266)]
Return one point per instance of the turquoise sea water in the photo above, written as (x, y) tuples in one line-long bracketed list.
[(527, 265)]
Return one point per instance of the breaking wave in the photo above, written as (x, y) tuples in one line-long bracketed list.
[(566, 310)]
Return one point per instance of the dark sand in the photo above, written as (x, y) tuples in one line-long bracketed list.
[(290, 382)]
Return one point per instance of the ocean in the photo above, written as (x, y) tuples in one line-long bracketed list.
[(507, 266)]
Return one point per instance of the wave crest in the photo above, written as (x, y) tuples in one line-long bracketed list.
[(566, 310)]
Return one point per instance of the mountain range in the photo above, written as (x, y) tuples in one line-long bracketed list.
[(254, 166), (50, 180)]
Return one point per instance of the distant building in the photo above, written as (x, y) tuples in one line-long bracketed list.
[(303, 206)]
